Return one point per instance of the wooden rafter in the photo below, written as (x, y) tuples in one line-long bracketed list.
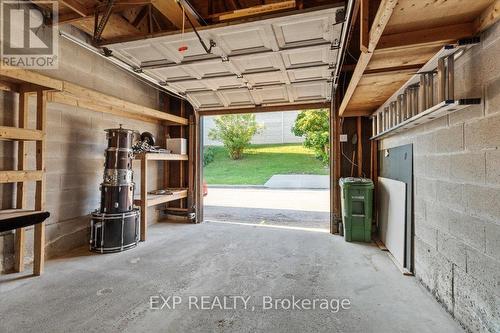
[(77, 7), (364, 32), (381, 18), (171, 10)]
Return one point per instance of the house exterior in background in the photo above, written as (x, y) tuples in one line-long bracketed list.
[(277, 128)]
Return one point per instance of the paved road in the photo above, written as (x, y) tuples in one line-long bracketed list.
[(291, 207)]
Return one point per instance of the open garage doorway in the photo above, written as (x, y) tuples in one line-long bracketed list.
[(280, 179)]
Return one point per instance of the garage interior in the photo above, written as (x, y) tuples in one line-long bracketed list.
[(416, 81)]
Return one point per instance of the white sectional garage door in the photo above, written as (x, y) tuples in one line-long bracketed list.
[(278, 61)]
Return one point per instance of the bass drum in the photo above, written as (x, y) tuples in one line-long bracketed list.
[(117, 198), (114, 232)]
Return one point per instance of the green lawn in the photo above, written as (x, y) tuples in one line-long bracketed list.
[(260, 162)]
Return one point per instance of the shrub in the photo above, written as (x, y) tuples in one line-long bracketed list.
[(313, 125), (235, 131), (208, 155)]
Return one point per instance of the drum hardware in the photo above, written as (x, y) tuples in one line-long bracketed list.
[(115, 226), (161, 192)]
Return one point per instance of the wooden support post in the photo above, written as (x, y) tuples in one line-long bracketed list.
[(39, 248), (364, 26), (191, 164), (144, 198), (21, 186), (375, 179), (199, 167), (182, 165), (335, 213), (360, 146)]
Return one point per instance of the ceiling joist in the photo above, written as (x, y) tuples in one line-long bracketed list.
[(410, 33)]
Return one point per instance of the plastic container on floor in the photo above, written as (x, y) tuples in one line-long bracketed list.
[(357, 208)]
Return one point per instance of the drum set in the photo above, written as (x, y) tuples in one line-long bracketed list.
[(115, 226)]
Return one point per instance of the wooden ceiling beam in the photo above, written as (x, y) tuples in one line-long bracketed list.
[(487, 18), (171, 10), (77, 7), (117, 26), (383, 15), (255, 10), (440, 35)]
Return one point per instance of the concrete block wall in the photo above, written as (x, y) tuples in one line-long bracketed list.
[(457, 194), (75, 151), (277, 128)]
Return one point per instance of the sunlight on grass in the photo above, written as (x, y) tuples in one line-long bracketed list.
[(260, 162)]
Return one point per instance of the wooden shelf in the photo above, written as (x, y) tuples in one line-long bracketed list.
[(64, 92), (6, 214), (158, 199), (161, 157), (14, 77), (20, 176), (21, 134)]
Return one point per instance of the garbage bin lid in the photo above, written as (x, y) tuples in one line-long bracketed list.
[(355, 181)]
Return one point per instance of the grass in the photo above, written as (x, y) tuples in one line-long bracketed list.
[(260, 162)]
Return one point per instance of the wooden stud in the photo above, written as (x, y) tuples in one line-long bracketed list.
[(39, 248), (363, 29), (199, 167), (144, 198), (360, 146), (182, 165), (191, 164), (21, 186)]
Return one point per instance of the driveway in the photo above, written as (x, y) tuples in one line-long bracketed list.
[(285, 207)]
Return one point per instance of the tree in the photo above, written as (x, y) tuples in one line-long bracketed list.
[(313, 125), (235, 131)]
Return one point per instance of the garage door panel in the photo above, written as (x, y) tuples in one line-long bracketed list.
[(269, 95), (225, 83), (312, 56), (206, 99), (257, 63), (309, 91), (238, 97), (307, 74), (190, 86), (175, 73), (238, 41), (280, 60), (304, 32), (269, 78)]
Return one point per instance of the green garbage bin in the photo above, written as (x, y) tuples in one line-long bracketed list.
[(357, 208)]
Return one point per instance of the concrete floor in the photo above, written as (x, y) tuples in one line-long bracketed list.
[(111, 293), (290, 207)]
